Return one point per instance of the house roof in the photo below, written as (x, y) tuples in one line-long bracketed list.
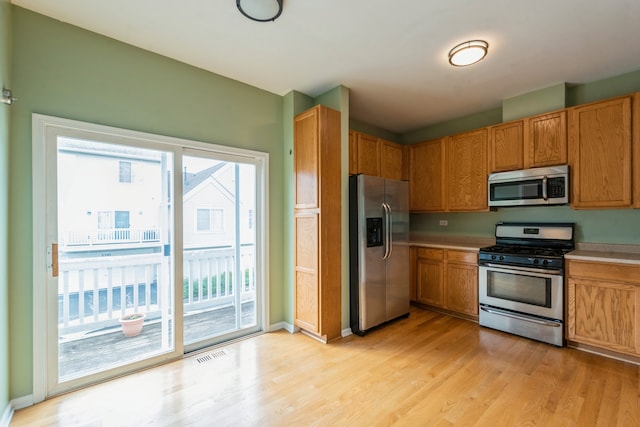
[(193, 180), (393, 55)]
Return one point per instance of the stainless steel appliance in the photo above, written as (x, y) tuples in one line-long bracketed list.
[(537, 186), (378, 251), (521, 280)]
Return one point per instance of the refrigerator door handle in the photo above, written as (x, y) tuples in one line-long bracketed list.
[(387, 227)]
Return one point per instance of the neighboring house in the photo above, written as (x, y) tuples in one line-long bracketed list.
[(109, 198), (116, 205)]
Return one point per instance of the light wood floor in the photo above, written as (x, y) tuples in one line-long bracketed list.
[(427, 370)]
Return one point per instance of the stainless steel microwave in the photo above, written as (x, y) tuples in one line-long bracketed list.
[(537, 186)]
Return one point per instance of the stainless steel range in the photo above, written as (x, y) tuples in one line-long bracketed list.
[(521, 280)]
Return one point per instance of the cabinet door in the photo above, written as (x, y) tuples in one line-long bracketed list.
[(546, 140), (305, 159), (600, 154), (353, 153), (462, 288), (430, 281), (391, 158), (426, 176), (368, 155), (466, 156), (605, 314), (307, 285), (506, 147)]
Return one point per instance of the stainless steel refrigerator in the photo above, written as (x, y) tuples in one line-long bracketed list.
[(378, 251)]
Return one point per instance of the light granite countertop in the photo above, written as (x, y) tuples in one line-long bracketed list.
[(623, 254), (450, 242)]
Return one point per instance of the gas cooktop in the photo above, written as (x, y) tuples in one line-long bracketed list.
[(539, 245)]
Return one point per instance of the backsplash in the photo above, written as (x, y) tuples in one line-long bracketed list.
[(594, 226)]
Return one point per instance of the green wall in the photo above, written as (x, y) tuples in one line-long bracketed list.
[(618, 226), (65, 71), (369, 129), (5, 81)]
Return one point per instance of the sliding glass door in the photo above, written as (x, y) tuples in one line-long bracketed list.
[(219, 249), (154, 248)]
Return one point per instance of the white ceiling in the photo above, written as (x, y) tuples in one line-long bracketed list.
[(392, 55)]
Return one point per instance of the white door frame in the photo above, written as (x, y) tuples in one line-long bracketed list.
[(44, 127)]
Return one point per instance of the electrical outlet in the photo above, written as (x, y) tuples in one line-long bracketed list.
[(444, 222)]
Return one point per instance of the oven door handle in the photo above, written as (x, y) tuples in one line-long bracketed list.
[(517, 268), (520, 317)]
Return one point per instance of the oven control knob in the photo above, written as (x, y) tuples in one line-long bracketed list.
[(536, 261), (545, 262), (493, 257), (501, 258)]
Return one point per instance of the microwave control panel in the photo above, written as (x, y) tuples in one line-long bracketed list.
[(556, 187)]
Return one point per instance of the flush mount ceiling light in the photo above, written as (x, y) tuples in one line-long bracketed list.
[(468, 53), (260, 10)]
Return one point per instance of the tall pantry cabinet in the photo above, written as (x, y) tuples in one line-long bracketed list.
[(317, 223)]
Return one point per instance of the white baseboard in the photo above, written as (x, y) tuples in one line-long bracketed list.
[(7, 414), (283, 325), (346, 332), (22, 402), (14, 405)]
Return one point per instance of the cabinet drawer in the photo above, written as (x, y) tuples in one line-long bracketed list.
[(462, 256), (431, 253), (604, 271)]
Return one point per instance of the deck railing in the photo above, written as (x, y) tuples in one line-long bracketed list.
[(109, 236), (94, 294)]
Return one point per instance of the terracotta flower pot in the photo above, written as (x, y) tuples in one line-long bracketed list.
[(132, 324)]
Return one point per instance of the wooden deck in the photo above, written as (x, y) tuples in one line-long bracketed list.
[(107, 348)]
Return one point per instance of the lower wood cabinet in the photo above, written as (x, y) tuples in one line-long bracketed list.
[(447, 279), (603, 305)]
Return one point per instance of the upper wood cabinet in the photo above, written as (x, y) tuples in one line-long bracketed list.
[(426, 176), (604, 154), (317, 223), (529, 143), (368, 154), (449, 174), (466, 171), (545, 140), (392, 160), (506, 147)]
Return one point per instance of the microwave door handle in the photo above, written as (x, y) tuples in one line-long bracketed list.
[(545, 182)]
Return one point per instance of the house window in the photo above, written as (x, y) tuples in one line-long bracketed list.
[(211, 220), (105, 219), (125, 172), (122, 219)]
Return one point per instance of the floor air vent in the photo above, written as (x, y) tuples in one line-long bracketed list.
[(210, 356)]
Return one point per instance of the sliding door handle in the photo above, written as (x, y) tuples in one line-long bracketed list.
[(54, 260)]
